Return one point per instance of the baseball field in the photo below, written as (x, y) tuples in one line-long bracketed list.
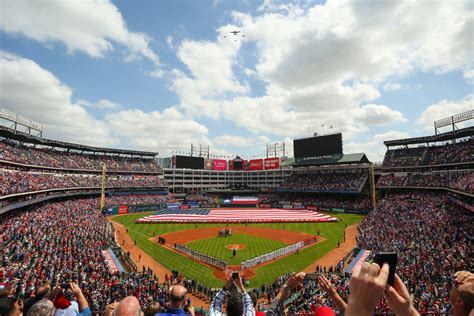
[(252, 245)]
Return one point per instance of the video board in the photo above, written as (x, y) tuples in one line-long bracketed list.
[(188, 162), (318, 146)]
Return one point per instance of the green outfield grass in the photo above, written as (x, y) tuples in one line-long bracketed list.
[(254, 246), (333, 232)]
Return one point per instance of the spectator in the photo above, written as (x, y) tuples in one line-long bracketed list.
[(238, 301), (9, 306), (41, 292), (462, 293), (152, 309)]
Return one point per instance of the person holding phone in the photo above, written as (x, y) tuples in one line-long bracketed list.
[(238, 301)]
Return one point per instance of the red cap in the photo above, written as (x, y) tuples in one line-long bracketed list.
[(324, 311), (61, 302)]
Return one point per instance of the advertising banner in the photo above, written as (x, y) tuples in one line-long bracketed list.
[(123, 209), (256, 164), (231, 165), (272, 163), (209, 164), (220, 164)]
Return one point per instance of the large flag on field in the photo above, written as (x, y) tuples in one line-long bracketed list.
[(237, 215)]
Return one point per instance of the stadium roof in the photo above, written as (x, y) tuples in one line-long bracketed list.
[(31, 139), (460, 133), (334, 160)]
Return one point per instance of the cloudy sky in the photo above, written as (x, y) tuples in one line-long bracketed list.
[(158, 75)]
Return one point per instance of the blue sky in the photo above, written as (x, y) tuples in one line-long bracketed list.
[(158, 75)]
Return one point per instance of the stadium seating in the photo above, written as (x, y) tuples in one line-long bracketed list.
[(12, 181), (423, 228), (461, 181), (56, 158), (325, 182), (433, 155)]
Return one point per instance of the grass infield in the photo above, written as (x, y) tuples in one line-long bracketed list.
[(254, 246), (333, 232)]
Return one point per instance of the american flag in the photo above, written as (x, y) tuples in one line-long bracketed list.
[(237, 215)]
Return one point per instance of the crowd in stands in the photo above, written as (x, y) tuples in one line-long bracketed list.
[(432, 155), (459, 180), (322, 182), (56, 158), (12, 181), (136, 199), (61, 243), (432, 239), (357, 202)]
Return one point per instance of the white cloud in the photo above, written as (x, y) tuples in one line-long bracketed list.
[(169, 41), (34, 92), (233, 140), (374, 148), (162, 131), (445, 108), (101, 104), (210, 74), (92, 27), (322, 64), (373, 114), (468, 74), (391, 87)]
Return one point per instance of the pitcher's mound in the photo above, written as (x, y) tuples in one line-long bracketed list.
[(235, 246)]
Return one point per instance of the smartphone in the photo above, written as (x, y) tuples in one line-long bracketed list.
[(65, 286), (235, 275), (391, 259), (312, 276)]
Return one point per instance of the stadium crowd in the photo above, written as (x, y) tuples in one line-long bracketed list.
[(433, 155), (321, 201), (61, 242), (351, 182), (12, 181), (56, 158), (460, 180)]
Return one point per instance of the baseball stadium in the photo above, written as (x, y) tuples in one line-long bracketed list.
[(119, 215), (236, 158)]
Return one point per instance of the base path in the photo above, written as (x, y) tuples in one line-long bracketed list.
[(333, 257), (127, 244)]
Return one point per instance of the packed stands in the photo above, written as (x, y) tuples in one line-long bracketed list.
[(433, 240), (12, 181), (430, 155), (322, 201), (61, 158), (462, 181), (325, 182)]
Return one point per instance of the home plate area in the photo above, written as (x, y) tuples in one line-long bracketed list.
[(235, 215)]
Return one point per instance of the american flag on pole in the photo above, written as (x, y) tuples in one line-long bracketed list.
[(236, 215)]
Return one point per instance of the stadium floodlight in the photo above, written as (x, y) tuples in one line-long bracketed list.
[(276, 150), (18, 121), (452, 120)]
